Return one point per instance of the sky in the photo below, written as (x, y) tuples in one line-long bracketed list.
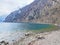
[(7, 6)]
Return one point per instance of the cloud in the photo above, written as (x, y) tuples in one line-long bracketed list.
[(7, 6)]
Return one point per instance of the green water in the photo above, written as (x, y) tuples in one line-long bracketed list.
[(23, 26)]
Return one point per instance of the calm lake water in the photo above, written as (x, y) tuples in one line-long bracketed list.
[(21, 26)]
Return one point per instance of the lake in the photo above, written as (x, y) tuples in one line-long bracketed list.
[(21, 26)]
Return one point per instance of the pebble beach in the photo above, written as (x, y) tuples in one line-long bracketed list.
[(30, 38)]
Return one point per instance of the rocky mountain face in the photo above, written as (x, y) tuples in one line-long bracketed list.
[(39, 11)]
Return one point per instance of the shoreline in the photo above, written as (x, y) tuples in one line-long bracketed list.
[(31, 38)]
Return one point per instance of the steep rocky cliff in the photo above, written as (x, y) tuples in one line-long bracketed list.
[(39, 11)]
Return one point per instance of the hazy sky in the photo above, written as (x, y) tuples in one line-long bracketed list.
[(7, 6)]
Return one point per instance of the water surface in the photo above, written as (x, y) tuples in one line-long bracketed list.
[(21, 26)]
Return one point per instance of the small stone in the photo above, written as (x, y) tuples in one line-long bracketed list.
[(27, 34), (39, 37)]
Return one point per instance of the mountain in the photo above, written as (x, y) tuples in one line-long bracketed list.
[(39, 11), (2, 18)]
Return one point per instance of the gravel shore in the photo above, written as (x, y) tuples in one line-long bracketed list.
[(30, 38), (47, 38)]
